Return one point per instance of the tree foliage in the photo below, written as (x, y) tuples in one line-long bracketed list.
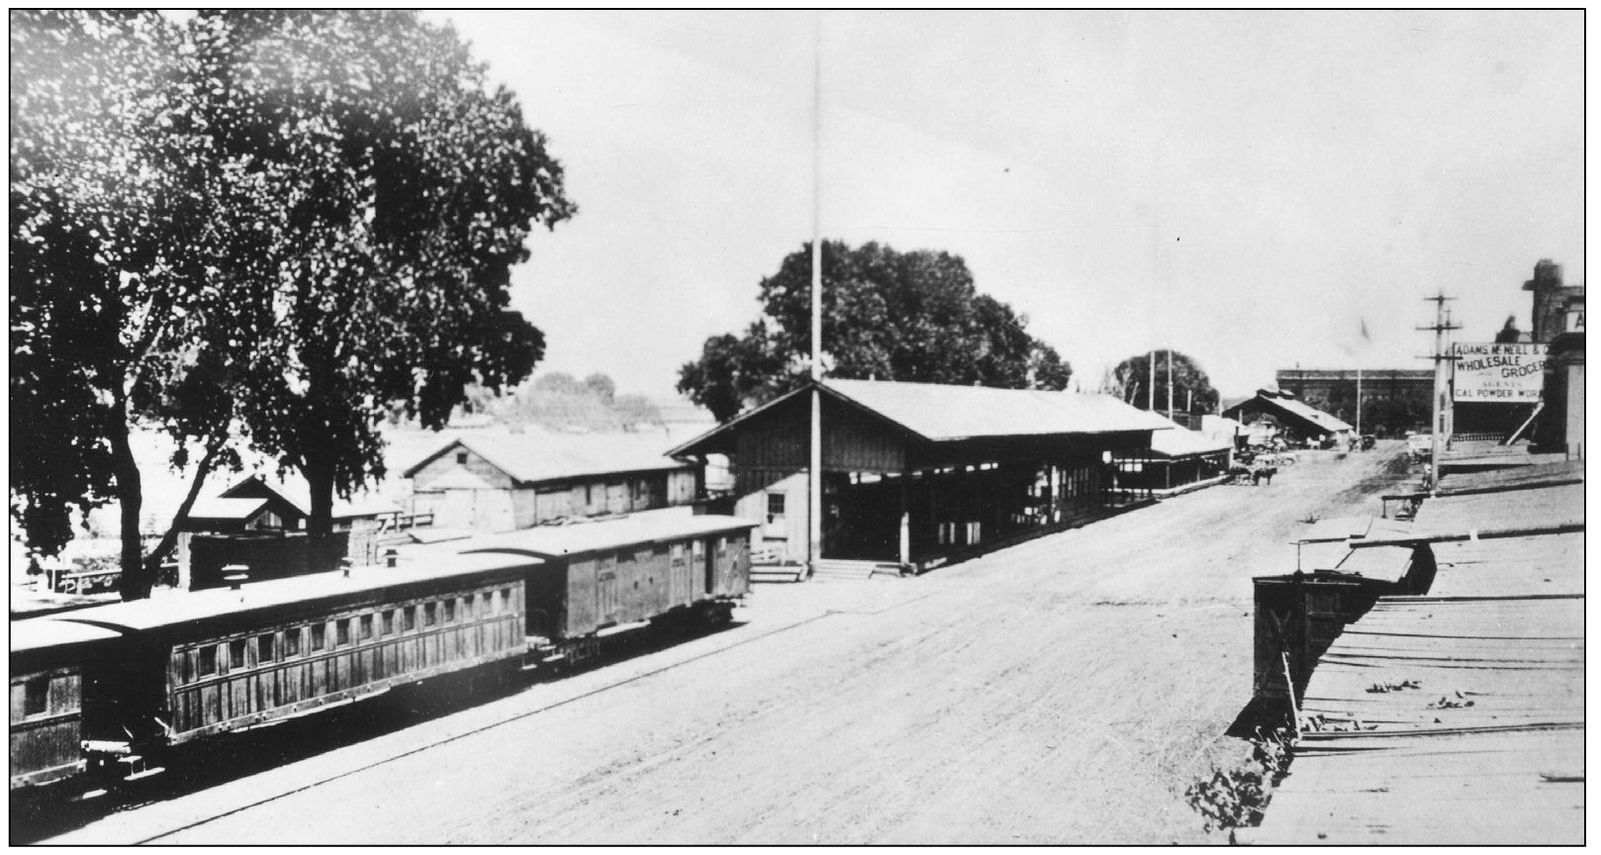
[(559, 401), (887, 315), (287, 222), (1192, 389)]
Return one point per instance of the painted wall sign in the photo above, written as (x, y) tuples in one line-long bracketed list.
[(1508, 373)]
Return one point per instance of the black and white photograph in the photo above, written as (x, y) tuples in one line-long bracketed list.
[(806, 427)]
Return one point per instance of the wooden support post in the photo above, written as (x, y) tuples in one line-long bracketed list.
[(906, 521)]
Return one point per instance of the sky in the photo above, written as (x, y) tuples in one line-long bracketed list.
[(1250, 188)]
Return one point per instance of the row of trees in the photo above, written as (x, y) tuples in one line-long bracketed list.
[(253, 226), (560, 401), (913, 316)]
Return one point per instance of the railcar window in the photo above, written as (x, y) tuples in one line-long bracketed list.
[(208, 660), (341, 632), (292, 642), (366, 627), (319, 636), (236, 653), (428, 614), (505, 599), (35, 695), (264, 645), (408, 618), (488, 604), (467, 607), (389, 622), (450, 610)]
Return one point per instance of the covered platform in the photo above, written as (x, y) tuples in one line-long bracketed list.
[(918, 473)]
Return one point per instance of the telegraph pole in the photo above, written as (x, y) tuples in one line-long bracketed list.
[(1150, 393), (1170, 385), (1442, 324)]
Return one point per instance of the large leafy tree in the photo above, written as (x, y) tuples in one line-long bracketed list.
[(116, 314), (283, 223), (1192, 389), (406, 188), (887, 315)]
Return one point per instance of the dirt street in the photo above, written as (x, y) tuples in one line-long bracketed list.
[(1063, 691)]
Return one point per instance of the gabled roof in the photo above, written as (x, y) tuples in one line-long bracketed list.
[(936, 412), (941, 413), (218, 508), (1317, 418), (297, 495), (533, 457)]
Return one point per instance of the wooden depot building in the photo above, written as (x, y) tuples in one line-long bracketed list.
[(920, 473)]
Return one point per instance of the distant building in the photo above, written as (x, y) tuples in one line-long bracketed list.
[(260, 523), (506, 483), (1394, 400), (1297, 422)]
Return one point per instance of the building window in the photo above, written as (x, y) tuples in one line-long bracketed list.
[(341, 632), (292, 642), (775, 506), (35, 695), (461, 457), (208, 660), (264, 647), (319, 636), (236, 653), (365, 628), (428, 614)]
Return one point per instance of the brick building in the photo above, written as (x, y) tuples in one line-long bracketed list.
[(1394, 400)]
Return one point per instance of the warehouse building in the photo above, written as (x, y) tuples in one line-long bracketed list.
[(1296, 421), (919, 474), (512, 482)]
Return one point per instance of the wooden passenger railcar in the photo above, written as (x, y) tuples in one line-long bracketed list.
[(605, 575), (47, 658), (223, 660)]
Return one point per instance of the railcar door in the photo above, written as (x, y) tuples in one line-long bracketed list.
[(608, 604), (681, 576)]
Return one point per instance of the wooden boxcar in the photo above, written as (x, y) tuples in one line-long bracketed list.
[(603, 576), (222, 660), (47, 659)]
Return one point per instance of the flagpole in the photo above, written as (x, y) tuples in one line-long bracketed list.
[(814, 476)]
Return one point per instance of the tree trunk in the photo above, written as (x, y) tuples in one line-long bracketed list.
[(136, 581), (319, 472), (168, 540)]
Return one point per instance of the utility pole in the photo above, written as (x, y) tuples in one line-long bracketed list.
[(1359, 404), (814, 476), (1150, 393), (1170, 385), (1442, 324)]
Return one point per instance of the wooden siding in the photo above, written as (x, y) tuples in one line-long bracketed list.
[(44, 742), (277, 671), (491, 474), (644, 582), (852, 442)]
